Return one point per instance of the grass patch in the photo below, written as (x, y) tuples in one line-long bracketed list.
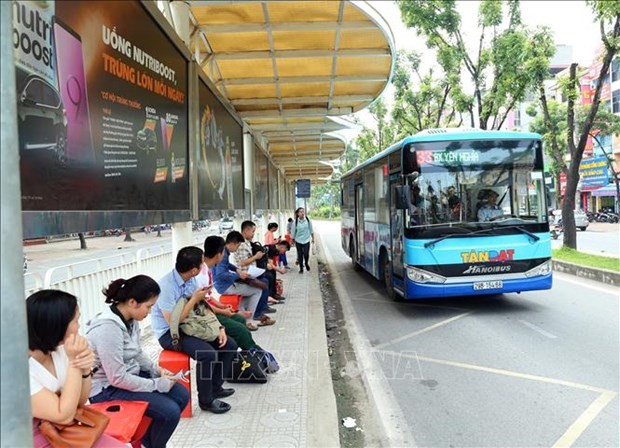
[(583, 259)]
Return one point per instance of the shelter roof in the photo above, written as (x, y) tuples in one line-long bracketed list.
[(286, 67)]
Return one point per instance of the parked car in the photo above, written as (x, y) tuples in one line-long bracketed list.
[(581, 219), (226, 225), (42, 120)]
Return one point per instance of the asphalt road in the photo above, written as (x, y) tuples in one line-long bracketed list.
[(536, 369), (600, 238)]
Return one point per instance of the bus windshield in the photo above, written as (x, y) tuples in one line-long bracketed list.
[(467, 185)]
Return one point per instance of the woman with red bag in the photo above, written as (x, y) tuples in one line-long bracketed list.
[(60, 363)]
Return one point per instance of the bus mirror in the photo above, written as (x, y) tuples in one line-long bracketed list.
[(399, 199)]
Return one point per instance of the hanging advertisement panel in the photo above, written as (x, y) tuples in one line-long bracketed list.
[(261, 184), (220, 165), (102, 109)]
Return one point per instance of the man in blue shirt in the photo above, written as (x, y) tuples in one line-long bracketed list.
[(490, 210), (227, 276), (213, 359)]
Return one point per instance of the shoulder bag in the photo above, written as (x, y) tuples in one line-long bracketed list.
[(88, 425), (201, 322)]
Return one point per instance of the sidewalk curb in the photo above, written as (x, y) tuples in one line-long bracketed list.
[(596, 274), (385, 410), (322, 430)]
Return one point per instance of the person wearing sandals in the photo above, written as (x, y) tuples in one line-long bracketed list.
[(302, 234), (213, 359), (235, 323), (124, 371), (60, 363), (227, 276)]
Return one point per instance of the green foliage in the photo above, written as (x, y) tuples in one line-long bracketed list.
[(325, 212), (604, 9), (504, 67), (372, 141), (583, 259), (421, 100), (557, 114)]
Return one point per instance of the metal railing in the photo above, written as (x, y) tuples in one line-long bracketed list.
[(85, 279)]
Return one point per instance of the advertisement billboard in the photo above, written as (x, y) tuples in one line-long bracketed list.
[(594, 172), (102, 112), (220, 164)]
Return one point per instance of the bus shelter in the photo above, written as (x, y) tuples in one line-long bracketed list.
[(151, 112)]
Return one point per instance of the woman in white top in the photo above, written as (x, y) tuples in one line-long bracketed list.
[(60, 362)]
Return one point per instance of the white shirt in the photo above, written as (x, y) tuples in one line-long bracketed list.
[(41, 378)]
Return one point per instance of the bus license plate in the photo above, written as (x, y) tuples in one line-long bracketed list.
[(488, 285)]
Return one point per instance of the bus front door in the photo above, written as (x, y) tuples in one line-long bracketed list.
[(396, 226), (359, 224)]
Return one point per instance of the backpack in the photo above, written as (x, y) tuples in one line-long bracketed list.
[(247, 368), (258, 247), (268, 362)]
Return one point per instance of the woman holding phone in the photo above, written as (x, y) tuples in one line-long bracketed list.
[(125, 372)]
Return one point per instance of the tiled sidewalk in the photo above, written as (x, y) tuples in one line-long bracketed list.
[(297, 407)]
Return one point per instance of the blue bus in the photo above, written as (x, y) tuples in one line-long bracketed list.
[(451, 212)]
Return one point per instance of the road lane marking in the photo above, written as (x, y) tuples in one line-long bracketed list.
[(510, 373), (423, 330), (361, 298), (608, 289), (538, 329), (575, 430)]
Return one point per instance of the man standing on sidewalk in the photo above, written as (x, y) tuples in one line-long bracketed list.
[(213, 359)]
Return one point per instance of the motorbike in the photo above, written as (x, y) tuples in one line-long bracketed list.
[(556, 230)]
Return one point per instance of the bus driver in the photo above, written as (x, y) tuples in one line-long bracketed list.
[(490, 210)]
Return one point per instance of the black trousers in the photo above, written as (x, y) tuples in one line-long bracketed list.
[(303, 253)]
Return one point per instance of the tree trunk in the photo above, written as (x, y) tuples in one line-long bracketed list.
[(128, 237), (576, 151), (82, 241)]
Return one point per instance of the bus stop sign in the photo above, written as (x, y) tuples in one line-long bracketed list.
[(303, 188)]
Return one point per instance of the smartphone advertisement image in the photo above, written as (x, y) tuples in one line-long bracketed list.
[(103, 110), (72, 82)]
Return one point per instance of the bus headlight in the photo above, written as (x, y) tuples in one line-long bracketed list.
[(542, 269), (422, 276)]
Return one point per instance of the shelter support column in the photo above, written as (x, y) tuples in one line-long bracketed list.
[(16, 428), (182, 231)]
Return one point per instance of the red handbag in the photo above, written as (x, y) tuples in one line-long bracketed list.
[(279, 287), (125, 417)]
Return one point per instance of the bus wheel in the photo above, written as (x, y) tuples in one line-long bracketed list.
[(387, 276), (353, 255)]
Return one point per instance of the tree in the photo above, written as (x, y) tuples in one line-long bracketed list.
[(551, 125), (421, 101), (577, 136), (372, 141), (503, 67), (82, 240)]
